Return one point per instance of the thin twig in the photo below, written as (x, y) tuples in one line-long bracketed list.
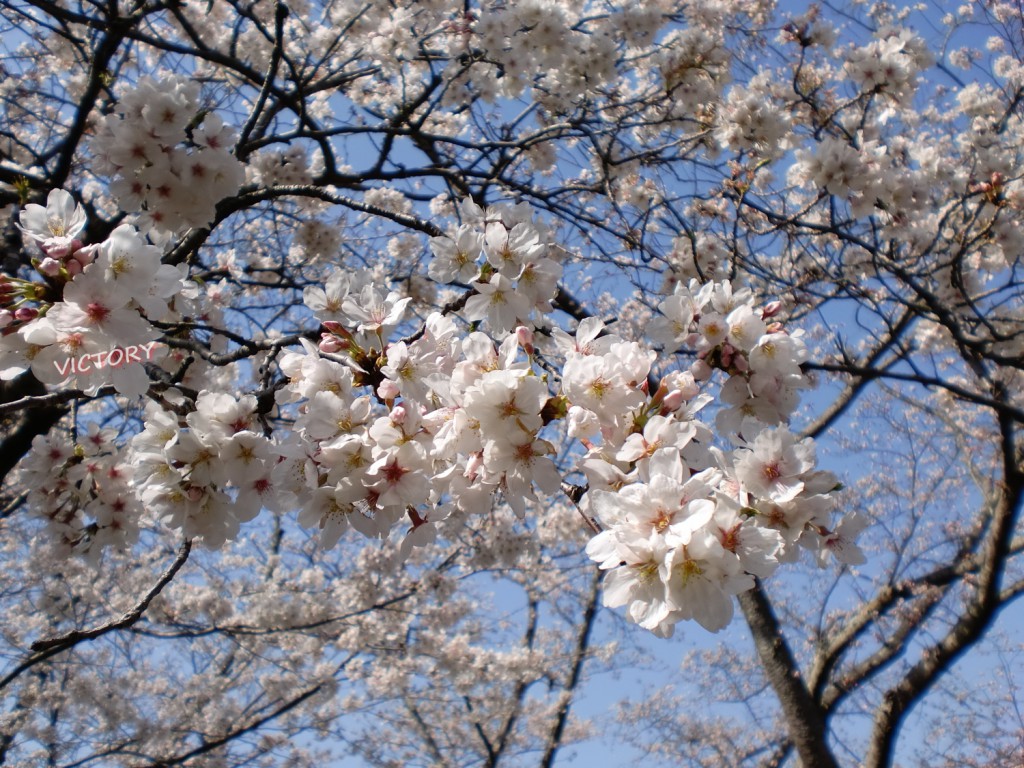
[(45, 649)]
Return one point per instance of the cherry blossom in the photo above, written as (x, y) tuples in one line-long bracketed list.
[(56, 225)]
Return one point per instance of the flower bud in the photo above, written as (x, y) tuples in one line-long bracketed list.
[(398, 413), (473, 465), (388, 390), (524, 336), (56, 247), (84, 256), (728, 350), (685, 383), (582, 423), (49, 267), (331, 344), (701, 370), (26, 313), (671, 402)]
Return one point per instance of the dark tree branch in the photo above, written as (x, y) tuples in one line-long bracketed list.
[(580, 652), (45, 649), (804, 718)]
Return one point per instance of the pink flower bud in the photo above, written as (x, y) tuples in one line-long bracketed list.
[(727, 352), (56, 247), (73, 266), (26, 313), (398, 413), (333, 326), (524, 336), (671, 402), (49, 267), (388, 390), (684, 382), (771, 309), (331, 344), (84, 256), (701, 370), (473, 465)]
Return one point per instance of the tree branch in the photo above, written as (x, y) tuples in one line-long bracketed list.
[(554, 740), (804, 717), (45, 649)]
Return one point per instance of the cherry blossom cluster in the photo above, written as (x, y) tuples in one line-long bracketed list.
[(450, 422), (280, 166), (703, 257), (694, 65), (84, 492), (506, 258), (96, 300), (317, 240), (173, 161), (761, 359), (889, 64), (686, 524), (680, 542), (416, 433), (211, 474), (858, 173), (428, 428), (749, 121), (527, 37)]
